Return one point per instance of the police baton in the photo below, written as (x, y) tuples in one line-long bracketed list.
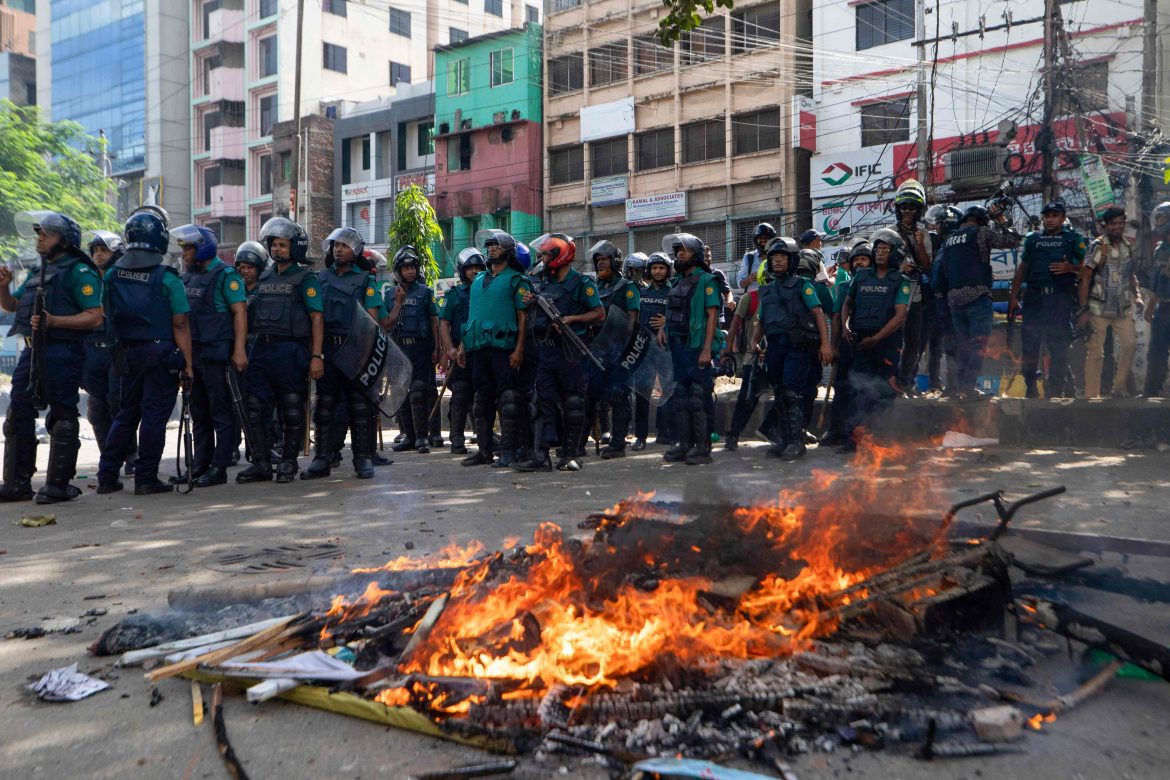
[(442, 391), (238, 407), (186, 440)]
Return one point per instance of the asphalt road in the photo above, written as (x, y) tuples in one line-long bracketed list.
[(132, 550)]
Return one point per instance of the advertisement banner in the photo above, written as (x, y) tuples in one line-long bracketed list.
[(1098, 186), (656, 209), (847, 173), (609, 191), (607, 120)]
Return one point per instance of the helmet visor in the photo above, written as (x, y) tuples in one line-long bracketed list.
[(345, 235)]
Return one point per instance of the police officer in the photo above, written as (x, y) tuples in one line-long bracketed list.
[(613, 385), (749, 266), (751, 373), (101, 383), (345, 283), (493, 345), (652, 300), (73, 308), (910, 205), (873, 315), (453, 313), (147, 307), (634, 269), (1048, 266), (414, 320), (1157, 311), (219, 330), (811, 267), (251, 261), (692, 314), (940, 333), (859, 258), (287, 317), (560, 377), (788, 305)]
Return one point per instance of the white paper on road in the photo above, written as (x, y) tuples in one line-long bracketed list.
[(954, 440), (67, 684), (314, 665)]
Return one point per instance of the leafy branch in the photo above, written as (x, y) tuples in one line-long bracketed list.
[(415, 224)]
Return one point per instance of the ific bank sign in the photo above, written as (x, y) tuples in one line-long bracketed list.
[(834, 175)]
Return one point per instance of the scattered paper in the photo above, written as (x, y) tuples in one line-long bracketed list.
[(314, 665), (36, 521), (67, 684), (954, 440)]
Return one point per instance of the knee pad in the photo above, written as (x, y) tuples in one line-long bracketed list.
[(292, 409), (461, 389), (790, 398), (65, 427), (419, 390), (326, 410), (10, 426), (510, 403), (574, 407), (698, 398), (358, 407)]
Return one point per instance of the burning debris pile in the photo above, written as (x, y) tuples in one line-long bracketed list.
[(757, 632)]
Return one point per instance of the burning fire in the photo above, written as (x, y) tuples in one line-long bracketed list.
[(1037, 721), (450, 557)]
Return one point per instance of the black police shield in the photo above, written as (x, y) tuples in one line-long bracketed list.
[(370, 358), (631, 347)]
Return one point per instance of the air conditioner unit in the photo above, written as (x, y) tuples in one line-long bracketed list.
[(975, 167)]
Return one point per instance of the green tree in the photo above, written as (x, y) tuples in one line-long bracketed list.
[(48, 165), (684, 15), (416, 225)]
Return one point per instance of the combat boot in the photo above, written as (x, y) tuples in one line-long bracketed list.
[(259, 425), (364, 437), (20, 457), (540, 461), (731, 443), (614, 450), (681, 424), (63, 446), (322, 462), (458, 447), (700, 453)]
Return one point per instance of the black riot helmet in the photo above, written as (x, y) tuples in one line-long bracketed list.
[(673, 242), (607, 249), (110, 240), (282, 227), (252, 253), (352, 239), (53, 223), (405, 256), (469, 258), (660, 258), (978, 213), (810, 264), (765, 231), (1162, 210), (893, 240), (146, 229), (782, 245)]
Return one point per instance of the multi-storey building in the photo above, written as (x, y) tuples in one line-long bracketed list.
[(18, 70), (986, 121), (243, 81), (119, 68), (490, 153), (643, 139)]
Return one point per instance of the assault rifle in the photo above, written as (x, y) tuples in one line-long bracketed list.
[(241, 413), (38, 380), (550, 311)]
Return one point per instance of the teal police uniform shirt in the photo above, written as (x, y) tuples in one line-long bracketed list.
[(173, 288), (706, 296), (448, 312), (310, 287), (230, 288), (586, 296), (84, 285)]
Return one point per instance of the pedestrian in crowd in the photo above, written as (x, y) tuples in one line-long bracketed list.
[(691, 319), (493, 345), (287, 316), (560, 374), (147, 306), (859, 258), (453, 314), (749, 266), (812, 239), (941, 334), (102, 384), (967, 254), (414, 323), (791, 317), (1049, 264), (1108, 292), (653, 300), (1157, 311), (872, 319), (218, 321), (612, 386), (346, 287), (73, 309), (910, 205)]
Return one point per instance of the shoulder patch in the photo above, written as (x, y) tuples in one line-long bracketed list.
[(82, 268), (629, 294), (906, 289), (369, 291), (808, 290), (311, 292), (87, 289), (590, 291), (710, 290), (233, 285)]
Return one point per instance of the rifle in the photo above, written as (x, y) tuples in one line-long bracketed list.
[(187, 442), (550, 311), (238, 407), (825, 406), (38, 380)]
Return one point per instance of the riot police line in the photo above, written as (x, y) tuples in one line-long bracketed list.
[(268, 348)]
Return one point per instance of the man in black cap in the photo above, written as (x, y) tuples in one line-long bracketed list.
[(811, 239), (1049, 263)]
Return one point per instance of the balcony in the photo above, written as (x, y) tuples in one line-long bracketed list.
[(227, 143), (226, 25), (227, 200), (225, 83)]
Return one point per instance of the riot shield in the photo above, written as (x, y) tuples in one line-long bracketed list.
[(622, 345), (369, 357)]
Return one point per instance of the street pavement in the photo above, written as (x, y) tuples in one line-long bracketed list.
[(131, 550)]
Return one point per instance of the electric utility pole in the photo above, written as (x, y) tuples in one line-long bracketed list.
[(1047, 181), (925, 164), (296, 149)]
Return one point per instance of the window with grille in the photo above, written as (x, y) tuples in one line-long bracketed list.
[(400, 22), (703, 141), (358, 216), (455, 35), (607, 64), (714, 235), (335, 7), (650, 56), (399, 73), (703, 43), (266, 175), (334, 58), (267, 48), (884, 21), (567, 164), (566, 73), (459, 76), (755, 131), (755, 27), (493, 7), (885, 122), (267, 114), (609, 157), (501, 67), (654, 149), (564, 5), (531, 14), (743, 234)]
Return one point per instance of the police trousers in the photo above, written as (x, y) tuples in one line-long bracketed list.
[(972, 323), (1159, 351), (558, 376), (1048, 326), (64, 364), (870, 372), (213, 422), (102, 386), (149, 389)]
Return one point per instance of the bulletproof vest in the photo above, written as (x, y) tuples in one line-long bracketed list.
[(653, 302), (339, 295), (564, 296), (279, 308), (208, 326), (678, 304), (491, 311), (1042, 249), (873, 300), (781, 310), (459, 298), (58, 300), (415, 320), (611, 295), (137, 305), (965, 268)]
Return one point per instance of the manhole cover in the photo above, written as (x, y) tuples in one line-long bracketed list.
[(251, 560)]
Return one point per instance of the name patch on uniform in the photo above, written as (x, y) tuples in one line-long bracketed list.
[(134, 276)]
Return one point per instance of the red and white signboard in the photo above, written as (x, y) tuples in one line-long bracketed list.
[(656, 209)]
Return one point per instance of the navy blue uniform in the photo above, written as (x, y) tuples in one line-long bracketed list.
[(873, 300), (612, 386), (1048, 307), (1159, 348), (653, 300), (414, 335)]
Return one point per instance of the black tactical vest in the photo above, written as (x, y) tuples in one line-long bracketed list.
[(873, 300), (340, 294), (653, 302), (415, 320), (137, 306), (678, 305), (58, 300), (279, 308), (965, 268), (564, 296), (208, 326)]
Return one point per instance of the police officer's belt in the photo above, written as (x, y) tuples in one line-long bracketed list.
[(336, 341), (1047, 289), (139, 342), (411, 340), (273, 338)]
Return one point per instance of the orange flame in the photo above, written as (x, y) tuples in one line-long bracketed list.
[(1037, 721), (342, 610), (450, 557)]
